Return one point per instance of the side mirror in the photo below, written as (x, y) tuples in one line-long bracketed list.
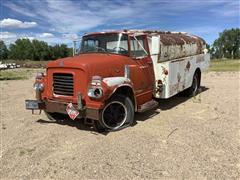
[(76, 43), (155, 45)]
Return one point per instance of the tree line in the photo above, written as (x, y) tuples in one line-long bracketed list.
[(227, 45), (25, 49)]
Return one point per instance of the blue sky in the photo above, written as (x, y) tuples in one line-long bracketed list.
[(62, 21)]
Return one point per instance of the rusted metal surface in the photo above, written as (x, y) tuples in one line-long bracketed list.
[(60, 107), (180, 39), (174, 46)]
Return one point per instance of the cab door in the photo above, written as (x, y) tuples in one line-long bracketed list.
[(141, 68)]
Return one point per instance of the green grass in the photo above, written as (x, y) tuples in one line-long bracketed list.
[(15, 74), (225, 65)]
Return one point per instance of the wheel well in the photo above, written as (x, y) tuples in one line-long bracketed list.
[(198, 72), (126, 91)]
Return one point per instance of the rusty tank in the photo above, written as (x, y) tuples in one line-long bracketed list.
[(174, 45)]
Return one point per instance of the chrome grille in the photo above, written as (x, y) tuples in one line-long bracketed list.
[(63, 84)]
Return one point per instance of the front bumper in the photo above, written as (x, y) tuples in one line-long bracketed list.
[(60, 107)]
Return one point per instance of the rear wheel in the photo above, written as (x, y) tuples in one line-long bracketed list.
[(117, 114), (192, 91)]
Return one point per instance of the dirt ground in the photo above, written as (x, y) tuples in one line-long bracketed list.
[(191, 138)]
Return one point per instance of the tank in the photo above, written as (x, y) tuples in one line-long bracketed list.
[(177, 45)]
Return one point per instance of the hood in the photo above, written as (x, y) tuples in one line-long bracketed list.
[(105, 65)]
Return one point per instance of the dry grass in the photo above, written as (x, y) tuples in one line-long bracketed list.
[(225, 65), (16, 74)]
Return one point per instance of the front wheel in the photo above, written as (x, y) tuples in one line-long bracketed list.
[(117, 114)]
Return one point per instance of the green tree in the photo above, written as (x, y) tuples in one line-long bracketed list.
[(70, 52), (60, 51), (3, 50), (41, 50), (227, 45), (63, 50), (22, 49), (55, 52)]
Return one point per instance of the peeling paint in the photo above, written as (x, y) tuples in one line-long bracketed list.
[(188, 66), (114, 81)]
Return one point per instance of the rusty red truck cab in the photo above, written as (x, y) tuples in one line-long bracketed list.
[(110, 78)]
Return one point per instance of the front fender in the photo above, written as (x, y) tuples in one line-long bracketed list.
[(115, 83)]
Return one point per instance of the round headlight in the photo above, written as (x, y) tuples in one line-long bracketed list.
[(98, 92), (38, 86), (95, 93)]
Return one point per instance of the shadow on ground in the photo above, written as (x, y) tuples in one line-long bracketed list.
[(78, 123), (164, 104)]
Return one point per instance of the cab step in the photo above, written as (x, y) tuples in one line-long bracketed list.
[(147, 106)]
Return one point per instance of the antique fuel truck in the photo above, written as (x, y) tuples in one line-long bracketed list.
[(118, 73)]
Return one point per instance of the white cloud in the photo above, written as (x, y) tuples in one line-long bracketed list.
[(14, 23), (10, 37), (72, 17), (46, 35), (7, 35), (77, 16), (72, 36), (230, 9), (19, 9)]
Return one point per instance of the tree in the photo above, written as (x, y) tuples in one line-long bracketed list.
[(63, 50), (22, 49), (55, 52), (70, 52), (227, 45), (60, 51), (41, 50), (3, 50)]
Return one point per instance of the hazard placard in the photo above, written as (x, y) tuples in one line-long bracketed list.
[(72, 111)]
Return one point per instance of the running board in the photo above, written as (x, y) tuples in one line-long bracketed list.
[(147, 106)]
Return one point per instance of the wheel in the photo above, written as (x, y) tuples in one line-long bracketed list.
[(117, 114), (192, 91), (98, 126)]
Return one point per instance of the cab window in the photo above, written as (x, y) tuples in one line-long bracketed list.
[(138, 48), (90, 44)]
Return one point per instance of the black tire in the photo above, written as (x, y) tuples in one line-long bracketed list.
[(117, 114), (98, 126), (193, 90)]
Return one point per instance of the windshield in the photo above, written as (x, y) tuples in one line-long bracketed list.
[(105, 43)]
